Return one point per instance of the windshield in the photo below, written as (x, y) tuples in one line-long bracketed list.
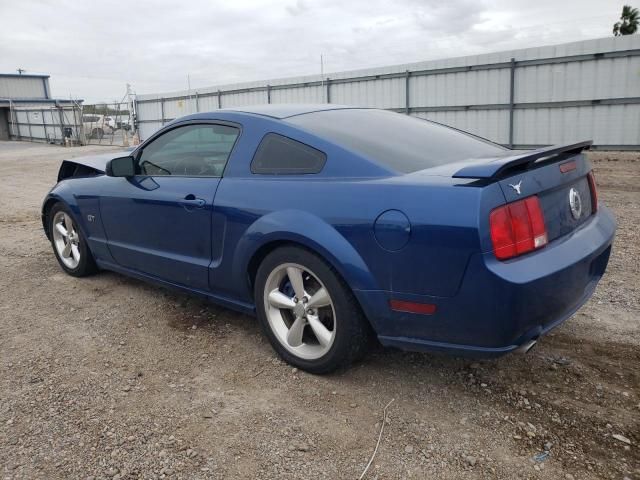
[(401, 142)]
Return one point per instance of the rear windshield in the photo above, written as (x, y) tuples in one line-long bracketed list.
[(401, 142)]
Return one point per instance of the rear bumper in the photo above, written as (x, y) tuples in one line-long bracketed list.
[(502, 305)]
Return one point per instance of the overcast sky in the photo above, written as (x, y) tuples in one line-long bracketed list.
[(92, 49)]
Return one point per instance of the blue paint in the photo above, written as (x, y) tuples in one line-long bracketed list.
[(422, 237)]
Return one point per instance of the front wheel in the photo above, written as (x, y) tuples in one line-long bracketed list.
[(308, 313), (69, 244)]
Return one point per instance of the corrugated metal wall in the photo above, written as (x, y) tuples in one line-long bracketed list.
[(536, 96), (23, 86)]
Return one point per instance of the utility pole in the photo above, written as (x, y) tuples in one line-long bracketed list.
[(130, 105), (129, 100), (21, 71), (189, 92)]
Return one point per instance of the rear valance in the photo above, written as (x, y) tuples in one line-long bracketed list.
[(497, 167)]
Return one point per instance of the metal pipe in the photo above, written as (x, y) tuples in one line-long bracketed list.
[(512, 84), (525, 105), (29, 127), (328, 90), (45, 126), (61, 116), (407, 104), (525, 347)]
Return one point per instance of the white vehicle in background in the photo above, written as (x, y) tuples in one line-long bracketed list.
[(111, 121), (117, 122), (124, 122), (95, 125)]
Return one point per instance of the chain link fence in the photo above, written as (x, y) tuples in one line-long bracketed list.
[(109, 124), (72, 124)]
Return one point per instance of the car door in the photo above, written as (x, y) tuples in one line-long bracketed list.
[(158, 222)]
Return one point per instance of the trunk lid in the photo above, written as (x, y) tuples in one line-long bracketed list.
[(557, 175), (565, 197)]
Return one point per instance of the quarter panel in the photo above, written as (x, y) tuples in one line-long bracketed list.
[(336, 218), (256, 212)]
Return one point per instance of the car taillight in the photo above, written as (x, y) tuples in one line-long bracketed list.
[(517, 228), (594, 192)]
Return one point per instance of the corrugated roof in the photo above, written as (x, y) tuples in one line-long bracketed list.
[(5, 101), (24, 75)]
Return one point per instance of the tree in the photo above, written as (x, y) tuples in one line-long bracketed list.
[(629, 21)]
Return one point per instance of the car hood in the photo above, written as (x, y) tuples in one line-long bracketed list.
[(99, 162)]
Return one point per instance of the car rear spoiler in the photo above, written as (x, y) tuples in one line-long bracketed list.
[(495, 168)]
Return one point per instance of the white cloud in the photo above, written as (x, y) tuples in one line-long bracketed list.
[(91, 49)]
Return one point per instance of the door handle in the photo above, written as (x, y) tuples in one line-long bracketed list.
[(191, 201)]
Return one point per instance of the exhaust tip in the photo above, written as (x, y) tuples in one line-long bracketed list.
[(525, 347)]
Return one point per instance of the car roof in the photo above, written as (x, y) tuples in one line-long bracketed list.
[(279, 111)]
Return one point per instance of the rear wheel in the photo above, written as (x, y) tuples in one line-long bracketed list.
[(308, 313), (69, 244)]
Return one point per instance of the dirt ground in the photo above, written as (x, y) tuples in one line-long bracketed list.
[(108, 377)]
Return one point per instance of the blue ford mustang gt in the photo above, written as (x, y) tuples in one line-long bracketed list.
[(338, 225)]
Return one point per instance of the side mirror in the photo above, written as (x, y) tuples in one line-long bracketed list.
[(121, 167)]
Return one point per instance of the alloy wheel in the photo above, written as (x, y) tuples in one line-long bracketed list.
[(66, 239), (300, 311)]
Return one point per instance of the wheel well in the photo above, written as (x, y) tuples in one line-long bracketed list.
[(264, 250), (45, 215), (259, 255)]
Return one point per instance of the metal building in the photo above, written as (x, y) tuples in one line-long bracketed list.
[(28, 112), (522, 98)]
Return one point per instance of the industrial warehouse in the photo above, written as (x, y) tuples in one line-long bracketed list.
[(518, 98)]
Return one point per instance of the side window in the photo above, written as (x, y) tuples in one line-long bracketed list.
[(192, 151), (279, 155)]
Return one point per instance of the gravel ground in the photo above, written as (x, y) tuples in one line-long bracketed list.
[(108, 377)]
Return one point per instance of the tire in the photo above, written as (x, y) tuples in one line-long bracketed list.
[(299, 337), (73, 253)]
